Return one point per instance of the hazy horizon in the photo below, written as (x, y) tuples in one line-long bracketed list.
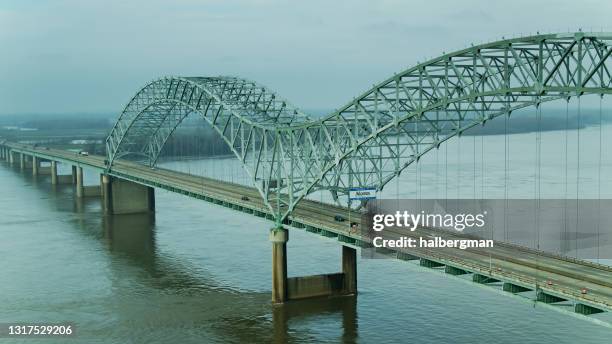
[(70, 56)]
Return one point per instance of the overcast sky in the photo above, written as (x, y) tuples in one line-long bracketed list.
[(61, 56)]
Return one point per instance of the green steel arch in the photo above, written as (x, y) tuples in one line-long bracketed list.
[(370, 140)]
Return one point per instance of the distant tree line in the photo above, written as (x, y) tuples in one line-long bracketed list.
[(524, 122), (71, 123)]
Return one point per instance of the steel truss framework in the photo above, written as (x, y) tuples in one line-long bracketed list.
[(372, 139)]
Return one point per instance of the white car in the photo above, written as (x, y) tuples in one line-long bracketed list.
[(83, 153)]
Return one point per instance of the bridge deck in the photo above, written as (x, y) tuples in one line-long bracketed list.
[(504, 262)]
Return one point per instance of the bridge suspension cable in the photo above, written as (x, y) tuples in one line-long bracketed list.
[(578, 129)]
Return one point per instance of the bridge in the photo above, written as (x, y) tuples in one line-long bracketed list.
[(289, 155)]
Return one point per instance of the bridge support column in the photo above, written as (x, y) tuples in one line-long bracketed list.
[(285, 289), (2, 152), (7, 154), (279, 238), (11, 157), (54, 172), (35, 165), (349, 269), (125, 197), (79, 181), (22, 161), (74, 175), (105, 184)]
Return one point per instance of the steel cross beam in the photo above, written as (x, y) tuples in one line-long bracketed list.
[(373, 138)]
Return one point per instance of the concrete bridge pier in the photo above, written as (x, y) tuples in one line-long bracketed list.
[(35, 165), (279, 238), (125, 197), (54, 172), (285, 289), (74, 175), (79, 181), (105, 185), (349, 269), (82, 191), (22, 162), (2, 152)]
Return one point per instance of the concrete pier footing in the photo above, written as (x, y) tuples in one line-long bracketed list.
[(64, 179), (91, 191), (82, 190), (125, 197), (25, 161), (324, 285)]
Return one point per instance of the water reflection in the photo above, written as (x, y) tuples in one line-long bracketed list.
[(130, 238), (132, 235), (315, 309), (152, 287), (181, 277), (191, 295)]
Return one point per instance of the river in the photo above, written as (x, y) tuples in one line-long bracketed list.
[(200, 273)]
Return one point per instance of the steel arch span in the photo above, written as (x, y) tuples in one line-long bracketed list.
[(370, 140)]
